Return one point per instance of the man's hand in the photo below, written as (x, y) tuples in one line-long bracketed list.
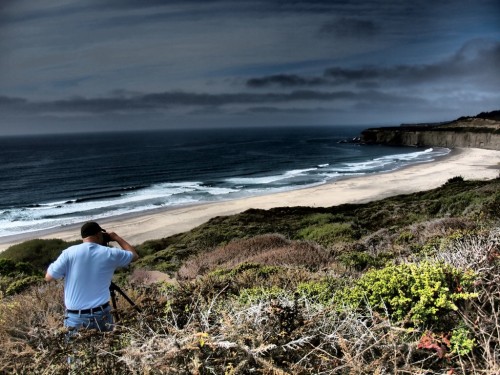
[(123, 244), (113, 236)]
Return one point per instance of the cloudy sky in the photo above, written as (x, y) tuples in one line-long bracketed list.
[(105, 65)]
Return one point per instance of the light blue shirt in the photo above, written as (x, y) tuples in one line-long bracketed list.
[(88, 269)]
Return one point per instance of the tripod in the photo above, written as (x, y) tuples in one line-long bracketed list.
[(113, 288)]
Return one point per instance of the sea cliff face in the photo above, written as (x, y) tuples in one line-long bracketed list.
[(474, 132)]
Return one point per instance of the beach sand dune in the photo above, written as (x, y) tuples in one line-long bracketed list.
[(470, 163)]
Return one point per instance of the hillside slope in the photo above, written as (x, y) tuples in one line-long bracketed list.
[(408, 284)]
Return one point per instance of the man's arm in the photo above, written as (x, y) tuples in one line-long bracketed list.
[(124, 245), (56, 270)]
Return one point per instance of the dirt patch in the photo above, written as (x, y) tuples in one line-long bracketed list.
[(150, 277)]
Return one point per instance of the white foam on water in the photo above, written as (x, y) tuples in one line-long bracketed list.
[(269, 179)]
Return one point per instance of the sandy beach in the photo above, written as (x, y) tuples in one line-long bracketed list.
[(470, 163)]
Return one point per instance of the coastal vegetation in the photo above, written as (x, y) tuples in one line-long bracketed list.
[(404, 285)]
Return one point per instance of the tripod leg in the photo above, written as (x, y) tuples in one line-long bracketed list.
[(127, 298), (113, 302)]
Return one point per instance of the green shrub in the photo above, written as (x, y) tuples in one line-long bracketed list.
[(328, 234), (166, 267), (7, 267), (455, 180), (460, 341), (165, 260), (381, 260), (252, 296), (316, 291), (490, 206), (430, 247), (39, 253), (441, 242), (405, 237), (22, 284), (320, 219), (14, 276), (24, 268), (358, 260), (418, 293), (257, 269)]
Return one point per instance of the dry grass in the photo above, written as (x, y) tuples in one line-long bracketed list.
[(270, 249)]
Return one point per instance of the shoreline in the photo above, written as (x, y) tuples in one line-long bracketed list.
[(136, 228)]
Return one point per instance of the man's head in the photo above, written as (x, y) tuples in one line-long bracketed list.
[(92, 229)]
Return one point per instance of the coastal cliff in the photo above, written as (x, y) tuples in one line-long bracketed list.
[(481, 131)]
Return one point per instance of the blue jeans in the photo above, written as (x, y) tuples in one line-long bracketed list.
[(100, 320)]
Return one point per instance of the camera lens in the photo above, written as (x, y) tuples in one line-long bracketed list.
[(106, 238)]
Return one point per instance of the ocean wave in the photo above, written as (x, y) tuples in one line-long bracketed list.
[(269, 179), (392, 162), (49, 215)]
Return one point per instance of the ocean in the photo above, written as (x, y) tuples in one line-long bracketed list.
[(51, 181)]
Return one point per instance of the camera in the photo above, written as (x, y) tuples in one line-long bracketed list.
[(105, 237)]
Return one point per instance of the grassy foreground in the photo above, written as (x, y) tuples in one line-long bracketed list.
[(404, 285)]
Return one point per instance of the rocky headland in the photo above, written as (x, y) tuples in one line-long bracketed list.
[(480, 131)]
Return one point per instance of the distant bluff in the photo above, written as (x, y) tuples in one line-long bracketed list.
[(481, 131)]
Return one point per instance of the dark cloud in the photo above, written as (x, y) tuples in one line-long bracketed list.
[(171, 100), (350, 27), (285, 80), (343, 75), (284, 5), (288, 111), (11, 102), (159, 101), (474, 60)]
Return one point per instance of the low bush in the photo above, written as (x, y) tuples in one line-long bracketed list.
[(9, 267), (255, 268), (455, 180), (356, 260), (419, 294), (461, 341), (20, 285), (16, 276), (317, 291), (328, 234), (39, 253), (256, 295)]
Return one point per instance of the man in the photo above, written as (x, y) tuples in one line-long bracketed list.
[(88, 269)]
